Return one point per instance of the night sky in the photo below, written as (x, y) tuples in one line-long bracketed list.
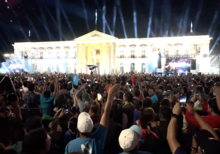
[(54, 20)]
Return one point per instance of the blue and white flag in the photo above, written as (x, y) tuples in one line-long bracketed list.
[(92, 67), (75, 79)]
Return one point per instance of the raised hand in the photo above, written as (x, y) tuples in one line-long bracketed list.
[(177, 108), (114, 89), (190, 109)]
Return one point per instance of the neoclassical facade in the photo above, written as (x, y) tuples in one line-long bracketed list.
[(111, 54)]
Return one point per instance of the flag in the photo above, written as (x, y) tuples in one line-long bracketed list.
[(92, 67), (132, 80), (75, 79), (96, 17)]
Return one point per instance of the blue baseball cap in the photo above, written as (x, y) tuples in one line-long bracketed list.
[(136, 129)]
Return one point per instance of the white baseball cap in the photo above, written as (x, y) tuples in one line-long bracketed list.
[(85, 123), (128, 140)]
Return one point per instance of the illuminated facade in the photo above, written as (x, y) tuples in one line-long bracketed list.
[(112, 55)]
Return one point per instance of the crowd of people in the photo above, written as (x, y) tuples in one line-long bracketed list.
[(50, 113)]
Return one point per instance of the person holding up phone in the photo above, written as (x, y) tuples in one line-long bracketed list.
[(213, 120)]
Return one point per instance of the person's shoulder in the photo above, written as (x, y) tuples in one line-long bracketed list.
[(101, 128), (73, 142), (52, 96), (180, 150), (37, 94)]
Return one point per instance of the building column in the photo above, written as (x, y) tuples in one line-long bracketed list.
[(110, 62)]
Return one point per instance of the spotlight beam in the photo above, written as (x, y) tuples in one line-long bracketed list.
[(33, 27), (45, 23), (185, 19), (213, 21), (213, 47), (22, 31), (215, 59), (156, 23), (86, 16), (150, 19), (58, 19), (103, 15), (180, 26), (134, 19), (52, 17), (7, 34), (171, 33), (161, 26), (114, 18), (167, 10), (103, 18), (68, 23), (214, 29), (152, 33), (110, 31), (198, 14), (122, 19), (6, 45)]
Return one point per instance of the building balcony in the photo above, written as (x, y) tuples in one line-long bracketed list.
[(48, 57), (131, 57)]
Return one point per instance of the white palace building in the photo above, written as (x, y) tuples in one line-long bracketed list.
[(113, 55)]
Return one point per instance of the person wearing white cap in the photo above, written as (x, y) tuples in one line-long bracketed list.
[(92, 143), (129, 140)]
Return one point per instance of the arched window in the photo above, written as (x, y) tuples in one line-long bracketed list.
[(143, 54), (72, 53), (143, 67), (132, 53), (132, 67), (37, 55), (122, 54), (41, 55), (49, 54), (32, 51), (121, 50), (58, 53), (122, 68), (132, 48), (66, 56)]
